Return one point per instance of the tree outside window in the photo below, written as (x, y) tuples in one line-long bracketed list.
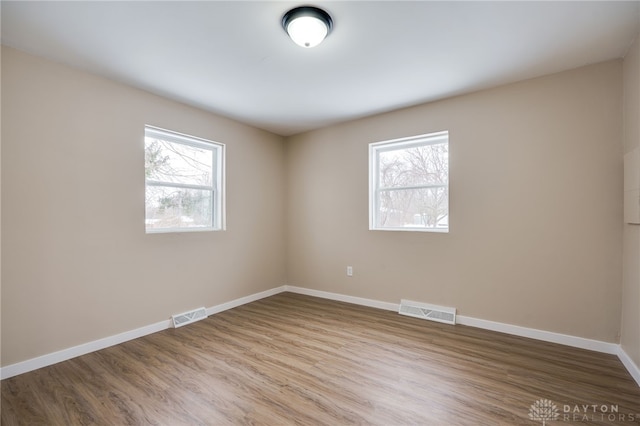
[(410, 183)]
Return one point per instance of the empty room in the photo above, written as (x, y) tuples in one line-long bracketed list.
[(330, 213)]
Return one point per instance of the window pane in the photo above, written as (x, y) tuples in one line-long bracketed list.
[(169, 207), (413, 208), (177, 163), (418, 165)]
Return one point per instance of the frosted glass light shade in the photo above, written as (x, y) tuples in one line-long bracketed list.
[(307, 26), (307, 31)]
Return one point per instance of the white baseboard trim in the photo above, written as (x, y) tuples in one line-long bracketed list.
[(343, 298), (547, 336), (244, 300), (631, 366), (96, 345), (75, 351)]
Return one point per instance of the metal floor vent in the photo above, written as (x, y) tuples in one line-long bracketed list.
[(188, 317), (428, 312)]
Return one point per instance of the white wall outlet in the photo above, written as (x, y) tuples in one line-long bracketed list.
[(349, 271)]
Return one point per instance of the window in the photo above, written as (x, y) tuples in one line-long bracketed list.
[(184, 182), (409, 184)]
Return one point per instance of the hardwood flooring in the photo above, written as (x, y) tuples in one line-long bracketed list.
[(298, 360)]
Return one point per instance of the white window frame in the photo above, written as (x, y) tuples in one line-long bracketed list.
[(374, 177), (217, 187)]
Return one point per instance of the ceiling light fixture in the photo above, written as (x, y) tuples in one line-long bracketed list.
[(307, 25)]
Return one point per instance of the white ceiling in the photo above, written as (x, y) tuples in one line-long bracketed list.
[(234, 58)]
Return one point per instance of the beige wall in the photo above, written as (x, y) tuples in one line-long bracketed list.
[(535, 209), (78, 265), (0, 210), (630, 334)]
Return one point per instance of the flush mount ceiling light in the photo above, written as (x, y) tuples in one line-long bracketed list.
[(307, 25)]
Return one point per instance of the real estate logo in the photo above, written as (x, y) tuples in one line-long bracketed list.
[(544, 410)]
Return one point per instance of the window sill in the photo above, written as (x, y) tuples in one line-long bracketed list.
[(180, 230), (435, 230)]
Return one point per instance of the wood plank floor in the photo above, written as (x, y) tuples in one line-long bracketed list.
[(293, 359)]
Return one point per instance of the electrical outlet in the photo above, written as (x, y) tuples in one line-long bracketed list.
[(349, 271)]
